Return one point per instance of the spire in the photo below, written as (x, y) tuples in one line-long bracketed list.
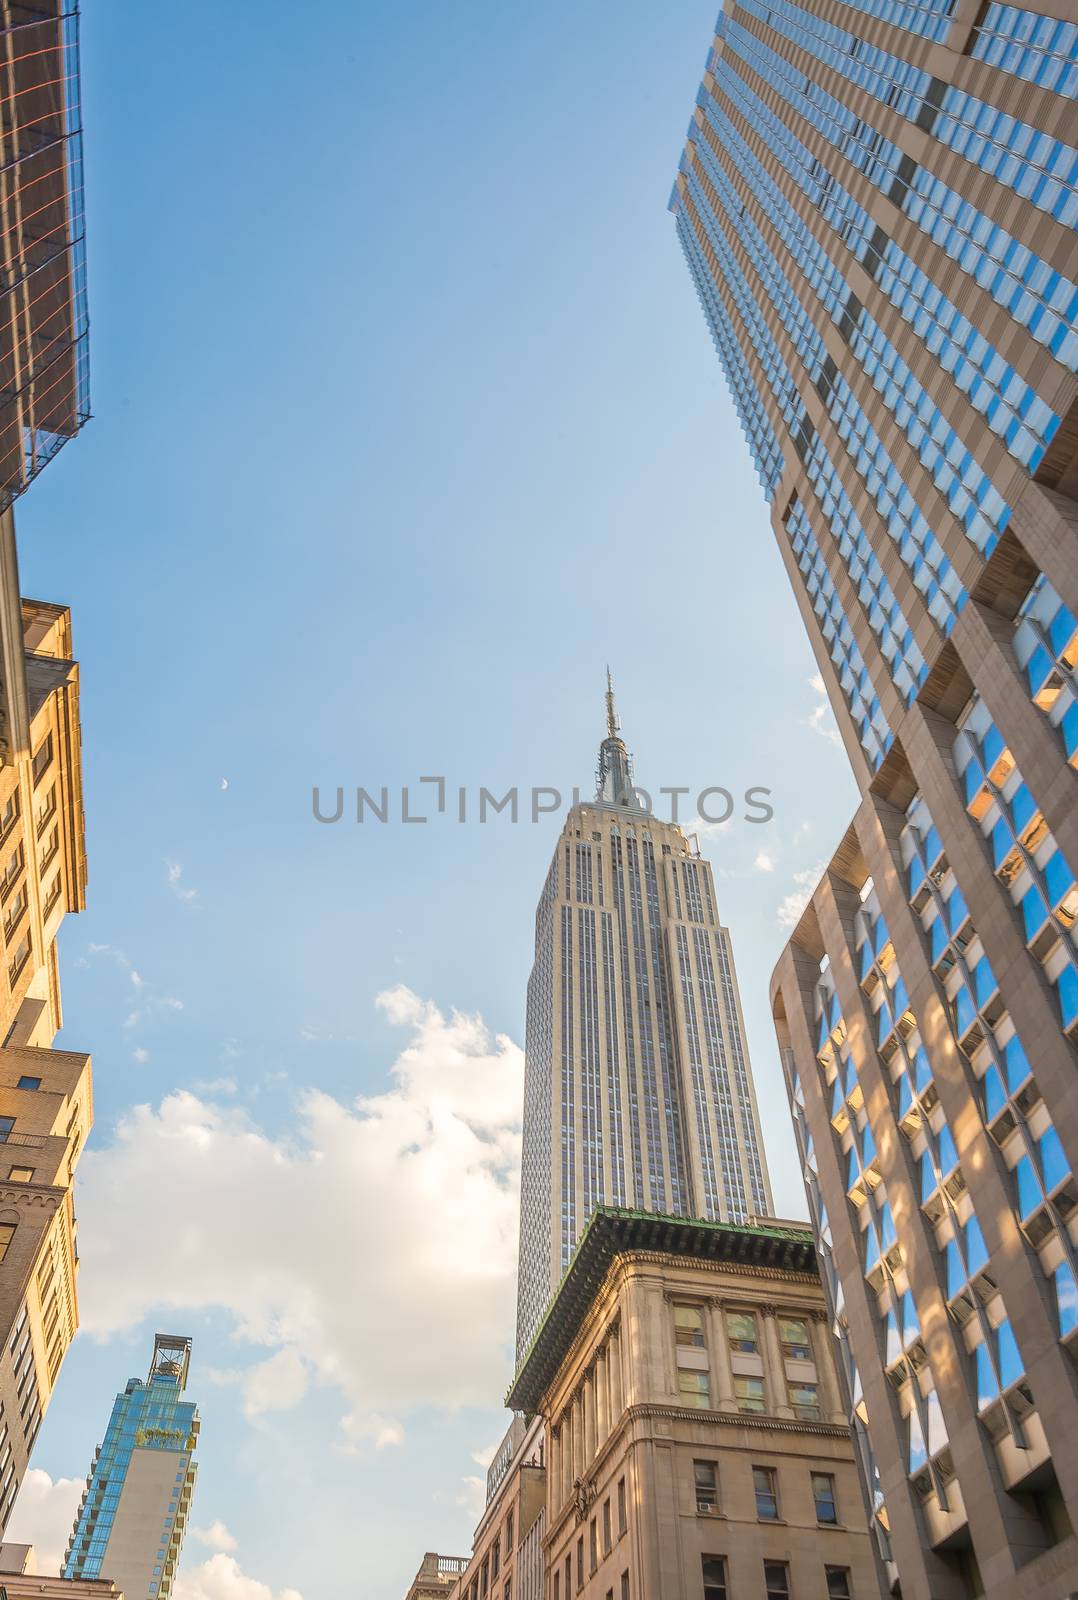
[(614, 777), (611, 715)]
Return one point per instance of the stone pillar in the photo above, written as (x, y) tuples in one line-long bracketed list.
[(602, 1397), (587, 1400), (826, 1377), (617, 1402), (774, 1366), (722, 1374)]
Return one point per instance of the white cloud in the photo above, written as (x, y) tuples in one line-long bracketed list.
[(140, 1055), (332, 1243), (174, 878), (276, 1384), (44, 1516), (765, 861), (215, 1086), (216, 1536), (221, 1578), (821, 719), (790, 909)]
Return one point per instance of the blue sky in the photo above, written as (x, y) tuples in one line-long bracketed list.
[(406, 422)]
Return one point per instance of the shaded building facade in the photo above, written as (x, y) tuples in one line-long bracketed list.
[(638, 1090), (878, 202), (133, 1514), (696, 1440)]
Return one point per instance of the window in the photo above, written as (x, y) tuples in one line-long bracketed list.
[(21, 1175), (624, 1587), (568, 1575), (593, 1544), (507, 1592), (19, 959), (838, 1583), (706, 1476), (623, 1520), (557, 1585), (580, 1562), (741, 1332), (689, 1326), (777, 1580), (767, 1494), (714, 1577), (7, 1233), (805, 1400), (749, 1393), (794, 1334), (26, 1082), (823, 1492), (6, 1125), (694, 1388), (496, 1558), (42, 759), (9, 814), (608, 1539), (509, 1536)]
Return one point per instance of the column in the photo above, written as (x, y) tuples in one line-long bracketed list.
[(722, 1374), (602, 1398), (587, 1400), (617, 1402), (774, 1365)]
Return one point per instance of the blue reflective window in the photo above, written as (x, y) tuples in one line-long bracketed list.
[(928, 1176), (987, 1383), (965, 1012), (937, 940), (917, 1455), (1023, 808), (872, 1247), (922, 1071), (1011, 1366), (910, 1325), (993, 1095), (956, 1271), (892, 1341), (1058, 877), (1034, 912), (868, 1145), (1029, 1190), (905, 1096), (1066, 1298), (976, 1249), (957, 910), (1067, 989), (984, 982), (1054, 1164), (1018, 1067), (947, 1152)]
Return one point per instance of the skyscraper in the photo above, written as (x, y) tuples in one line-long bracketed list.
[(133, 1514), (637, 1086), (878, 202)]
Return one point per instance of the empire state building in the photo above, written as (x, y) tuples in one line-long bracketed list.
[(637, 1085)]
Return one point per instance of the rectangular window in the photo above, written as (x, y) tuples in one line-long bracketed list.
[(689, 1326), (608, 1536), (507, 1592), (593, 1544), (823, 1491), (496, 1558), (838, 1583), (509, 1536), (794, 1335), (7, 1233), (27, 1082), (749, 1393), (9, 814), (805, 1399), (767, 1494), (706, 1477), (568, 1575), (623, 1520), (557, 1586), (694, 1388), (580, 1562), (741, 1332), (776, 1580), (21, 1175), (42, 759), (714, 1578), (624, 1587)]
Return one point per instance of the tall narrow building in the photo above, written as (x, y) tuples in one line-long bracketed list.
[(878, 202), (133, 1514), (637, 1086)]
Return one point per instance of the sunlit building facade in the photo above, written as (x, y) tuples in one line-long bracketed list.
[(638, 1090), (878, 203), (133, 1515)]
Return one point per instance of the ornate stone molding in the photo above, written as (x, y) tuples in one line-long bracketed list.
[(583, 1497)]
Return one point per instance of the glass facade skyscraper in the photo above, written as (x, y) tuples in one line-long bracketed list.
[(637, 1089), (878, 202), (133, 1514)]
